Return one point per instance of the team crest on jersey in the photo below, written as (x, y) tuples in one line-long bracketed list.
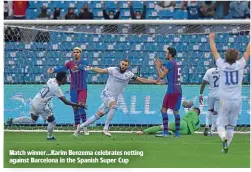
[(73, 71)]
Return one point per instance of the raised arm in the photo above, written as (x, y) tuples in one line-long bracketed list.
[(104, 12), (131, 10), (213, 46), (143, 16), (97, 69), (118, 11), (162, 71), (247, 53), (118, 6)]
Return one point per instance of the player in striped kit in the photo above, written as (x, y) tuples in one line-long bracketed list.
[(118, 79), (172, 99), (231, 75), (211, 77), (78, 88)]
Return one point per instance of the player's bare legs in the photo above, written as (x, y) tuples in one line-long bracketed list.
[(113, 107)]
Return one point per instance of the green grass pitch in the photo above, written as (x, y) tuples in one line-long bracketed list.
[(195, 151)]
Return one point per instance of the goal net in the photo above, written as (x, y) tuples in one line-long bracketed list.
[(31, 48)]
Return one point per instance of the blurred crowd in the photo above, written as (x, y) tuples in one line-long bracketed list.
[(195, 10)]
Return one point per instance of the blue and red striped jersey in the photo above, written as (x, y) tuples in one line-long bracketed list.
[(79, 77), (173, 76)]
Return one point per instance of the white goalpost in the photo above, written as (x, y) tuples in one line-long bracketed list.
[(32, 46)]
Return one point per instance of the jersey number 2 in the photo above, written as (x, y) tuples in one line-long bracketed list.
[(216, 79), (44, 91)]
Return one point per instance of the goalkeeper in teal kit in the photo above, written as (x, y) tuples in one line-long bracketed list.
[(189, 123)]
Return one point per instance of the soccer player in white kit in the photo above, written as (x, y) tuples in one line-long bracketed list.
[(40, 104), (118, 79), (211, 77), (231, 75)]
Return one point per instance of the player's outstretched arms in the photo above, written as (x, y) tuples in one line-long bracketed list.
[(57, 69), (148, 81), (213, 46), (63, 99), (97, 69), (247, 53)]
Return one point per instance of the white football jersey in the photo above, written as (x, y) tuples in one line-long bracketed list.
[(50, 90), (212, 76), (117, 81), (230, 79)]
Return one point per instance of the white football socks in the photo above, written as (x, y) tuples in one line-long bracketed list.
[(213, 124), (109, 117), (208, 116), (229, 134), (221, 132), (50, 128), (89, 121)]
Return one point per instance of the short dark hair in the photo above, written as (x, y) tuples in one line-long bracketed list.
[(198, 109), (138, 12), (60, 76), (172, 51), (126, 60)]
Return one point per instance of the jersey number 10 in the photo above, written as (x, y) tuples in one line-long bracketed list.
[(231, 77)]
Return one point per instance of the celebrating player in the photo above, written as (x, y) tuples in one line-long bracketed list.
[(40, 104), (117, 81), (78, 90), (231, 75), (189, 123), (211, 76), (172, 99)]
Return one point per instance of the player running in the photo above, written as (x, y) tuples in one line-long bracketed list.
[(40, 104), (118, 79), (211, 77), (78, 89), (172, 99), (231, 75)]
